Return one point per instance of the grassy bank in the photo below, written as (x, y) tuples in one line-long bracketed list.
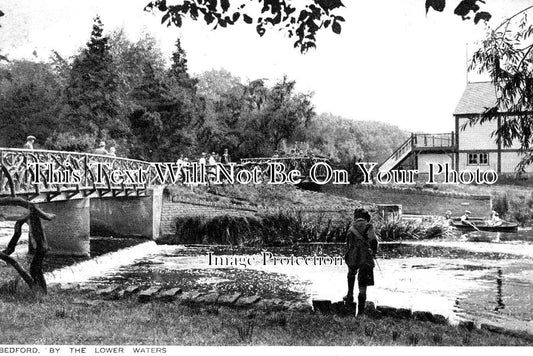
[(58, 319)]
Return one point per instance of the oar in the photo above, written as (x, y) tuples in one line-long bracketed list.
[(474, 226)]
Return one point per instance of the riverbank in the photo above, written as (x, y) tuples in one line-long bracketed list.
[(63, 318)]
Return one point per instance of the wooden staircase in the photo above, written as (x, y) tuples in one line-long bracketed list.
[(398, 156)]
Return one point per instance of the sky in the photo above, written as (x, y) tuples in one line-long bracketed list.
[(391, 62)]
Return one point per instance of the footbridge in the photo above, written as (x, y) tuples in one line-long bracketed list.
[(86, 192)]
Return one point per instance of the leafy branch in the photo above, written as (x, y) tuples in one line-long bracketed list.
[(506, 55), (303, 23)]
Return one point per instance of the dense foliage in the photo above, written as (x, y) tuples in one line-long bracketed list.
[(124, 93)]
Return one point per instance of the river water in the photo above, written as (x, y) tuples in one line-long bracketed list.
[(461, 278)]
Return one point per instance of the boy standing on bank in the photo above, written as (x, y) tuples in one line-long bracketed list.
[(362, 247)]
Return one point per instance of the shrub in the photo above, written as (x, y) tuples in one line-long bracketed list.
[(289, 227), (402, 230), (279, 228), (500, 204)]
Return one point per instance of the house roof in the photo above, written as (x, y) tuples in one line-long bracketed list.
[(476, 98)]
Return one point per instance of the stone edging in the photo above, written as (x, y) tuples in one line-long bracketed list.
[(237, 300), (269, 209), (423, 191), (217, 205)]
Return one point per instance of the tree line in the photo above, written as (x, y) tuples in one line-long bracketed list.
[(123, 92)]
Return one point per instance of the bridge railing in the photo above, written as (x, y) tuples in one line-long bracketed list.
[(36, 172), (45, 171)]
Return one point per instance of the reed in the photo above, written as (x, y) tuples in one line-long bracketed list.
[(274, 229), (402, 230)]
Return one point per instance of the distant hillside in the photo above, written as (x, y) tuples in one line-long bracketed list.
[(343, 138)]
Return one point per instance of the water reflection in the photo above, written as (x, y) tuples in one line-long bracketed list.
[(499, 293)]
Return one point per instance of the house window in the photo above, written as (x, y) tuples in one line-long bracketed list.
[(475, 159)]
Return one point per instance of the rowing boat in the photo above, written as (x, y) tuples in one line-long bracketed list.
[(484, 225)]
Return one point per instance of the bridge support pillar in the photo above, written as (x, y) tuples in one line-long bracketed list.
[(68, 233), (128, 216)]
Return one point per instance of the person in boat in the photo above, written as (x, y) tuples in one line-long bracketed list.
[(495, 219), (361, 250), (465, 217), (448, 216)]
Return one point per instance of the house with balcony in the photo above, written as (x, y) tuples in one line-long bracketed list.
[(464, 149)]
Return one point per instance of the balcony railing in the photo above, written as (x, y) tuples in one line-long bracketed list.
[(433, 140)]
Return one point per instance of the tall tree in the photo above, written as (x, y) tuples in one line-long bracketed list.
[(182, 111), (223, 95), (179, 70), (92, 96)]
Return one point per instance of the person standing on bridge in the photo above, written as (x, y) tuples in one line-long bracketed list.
[(29, 142), (226, 159), (101, 149), (361, 250)]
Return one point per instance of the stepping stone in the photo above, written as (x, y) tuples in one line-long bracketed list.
[(131, 289), (440, 319), (302, 307), (210, 298), (266, 305), (337, 308), (286, 305), (189, 297), (277, 301), (169, 294), (146, 295), (466, 324), (108, 290), (493, 328), (271, 304), (370, 307), (423, 316), (321, 305), (247, 301), (228, 299), (88, 288), (344, 309), (386, 310), (404, 313)]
